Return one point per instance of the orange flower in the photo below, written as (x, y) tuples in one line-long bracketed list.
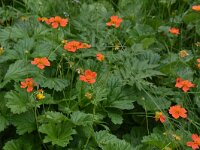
[(115, 21), (41, 62), (73, 46), (100, 57), (174, 31), (195, 144), (184, 84), (196, 7), (89, 77), (177, 111), (160, 116), (56, 21), (29, 84)]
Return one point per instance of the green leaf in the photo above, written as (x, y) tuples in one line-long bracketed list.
[(135, 136), (115, 115), (198, 28), (4, 123), (4, 112), (122, 145), (17, 145), (17, 101), (55, 83), (107, 141), (146, 42), (104, 137), (57, 133), (156, 139), (116, 97), (24, 122), (144, 30), (16, 71), (44, 49), (151, 103), (80, 118), (23, 47), (19, 70), (123, 104), (191, 17), (52, 116), (12, 33), (25, 142)]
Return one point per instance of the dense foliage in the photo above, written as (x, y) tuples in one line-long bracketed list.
[(99, 74)]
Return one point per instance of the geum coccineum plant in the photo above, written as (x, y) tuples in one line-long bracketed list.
[(99, 75)]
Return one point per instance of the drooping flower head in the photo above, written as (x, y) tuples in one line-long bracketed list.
[(184, 84), (29, 84), (177, 111), (196, 7), (174, 31), (160, 116), (195, 144), (100, 57), (89, 77), (114, 21), (41, 62)]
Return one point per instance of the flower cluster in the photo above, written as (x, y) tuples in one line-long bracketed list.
[(55, 22), (73, 46)]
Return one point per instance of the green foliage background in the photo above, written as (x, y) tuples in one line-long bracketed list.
[(136, 79)]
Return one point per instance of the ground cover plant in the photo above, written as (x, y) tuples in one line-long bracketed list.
[(99, 75)]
